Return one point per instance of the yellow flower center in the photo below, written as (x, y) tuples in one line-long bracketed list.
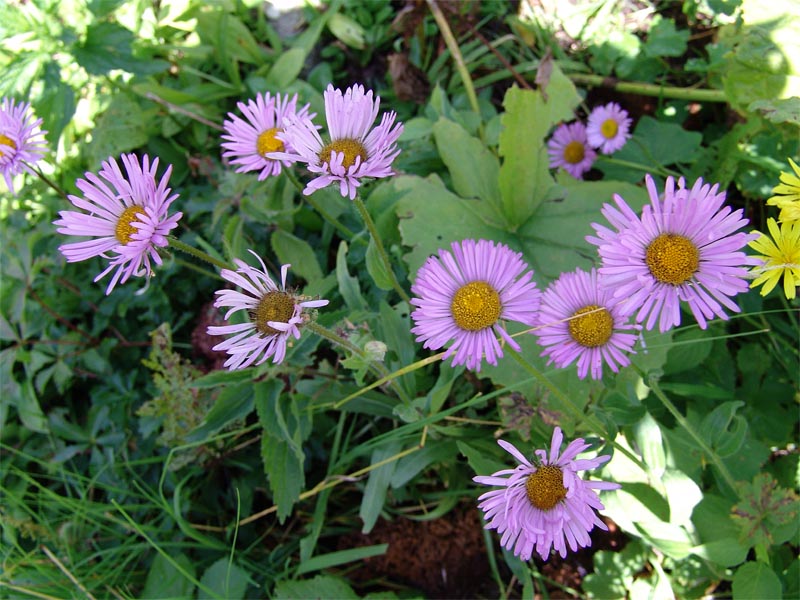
[(672, 258), (574, 152), (609, 128), (475, 305), (347, 146), (277, 307), (591, 326), (6, 141), (545, 488), (125, 229), (267, 142)]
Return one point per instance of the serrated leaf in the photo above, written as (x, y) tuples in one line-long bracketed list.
[(664, 39), (756, 581)]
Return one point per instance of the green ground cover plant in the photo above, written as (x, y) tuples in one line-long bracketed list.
[(539, 336)]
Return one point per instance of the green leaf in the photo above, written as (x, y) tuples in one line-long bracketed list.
[(726, 552), (649, 440), (120, 128), (377, 485), (785, 110), (689, 348), (218, 378), (347, 30), (525, 172), (348, 285), (664, 39), (481, 457), (28, 408), (107, 47), (723, 429), (322, 586), (297, 252), (683, 494), (473, 168), (165, 581), (342, 557), (225, 580), (233, 403), (286, 68), (756, 581), (376, 268)]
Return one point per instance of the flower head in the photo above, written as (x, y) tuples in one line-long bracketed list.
[(607, 128), (544, 504), (465, 296), (22, 143), (355, 150), (787, 194), (580, 321), (126, 217), (249, 141), (684, 248), (780, 256), (274, 314), (569, 150)]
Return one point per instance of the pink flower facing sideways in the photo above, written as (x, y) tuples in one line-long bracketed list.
[(356, 149), (544, 504), (125, 215), (464, 297), (273, 315), (22, 143), (684, 248), (249, 141)]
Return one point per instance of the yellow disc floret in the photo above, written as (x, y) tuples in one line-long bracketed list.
[(349, 147), (475, 306), (124, 229), (591, 326), (609, 128), (672, 258), (6, 141), (574, 152), (545, 488), (267, 142), (275, 306)]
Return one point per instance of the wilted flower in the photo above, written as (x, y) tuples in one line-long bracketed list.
[(544, 504), (22, 143), (128, 220), (569, 149)]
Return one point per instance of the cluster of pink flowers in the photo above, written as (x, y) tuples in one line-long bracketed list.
[(574, 146)]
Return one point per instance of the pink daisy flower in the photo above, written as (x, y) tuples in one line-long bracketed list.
[(465, 296), (544, 504), (250, 140), (274, 314), (125, 214), (568, 149), (580, 321), (356, 149), (684, 248), (607, 128), (22, 143)]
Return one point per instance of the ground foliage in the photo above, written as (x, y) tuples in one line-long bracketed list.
[(133, 467)]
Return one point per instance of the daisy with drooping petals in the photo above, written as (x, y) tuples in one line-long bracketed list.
[(580, 321), (465, 296), (544, 504), (781, 257), (127, 215), (607, 128), (685, 248), (787, 194), (274, 315), (22, 143), (569, 149), (249, 141), (356, 149)]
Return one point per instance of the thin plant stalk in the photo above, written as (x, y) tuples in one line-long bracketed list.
[(197, 253), (379, 246), (52, 184), (343, 230), (649, 89)]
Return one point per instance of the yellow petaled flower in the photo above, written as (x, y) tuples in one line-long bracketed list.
[(781, 257), (787, 194)]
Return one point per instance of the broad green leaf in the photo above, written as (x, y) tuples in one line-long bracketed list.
[(409, 466), (726, 552), (525, 172), (481, 457), (756, 581), (689, 348), (28, 408), (108, 46), (286, 68), (723, 429), (785, 110), (348, 285), (664, 39), (120, 128), (233, 403), (164, 580), (347, 30), (225, 580), (342, 557), (229, 36), (218, 378), (322, 586), (56, 105), (649, 440), (376, 268), (377, 485), (683, 494), (297, 252)]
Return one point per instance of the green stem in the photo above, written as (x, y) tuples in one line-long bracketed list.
[(342, 229), (379, 246), (593, 422), (638, 166), (48, 181), (455, 51), (379, 368), (183, 247), (649, 89), (652, 383)]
